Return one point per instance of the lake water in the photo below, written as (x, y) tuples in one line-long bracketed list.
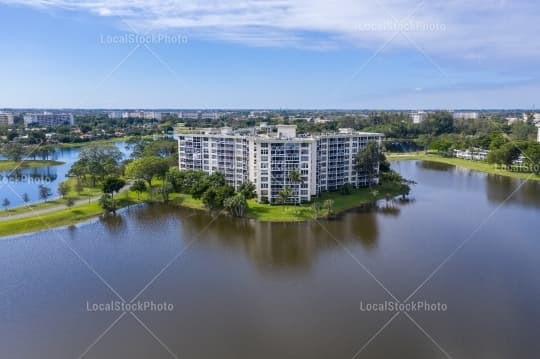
[(242, 289), (27, 180)]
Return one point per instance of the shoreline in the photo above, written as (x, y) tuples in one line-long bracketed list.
[(478, 166), (66, 217), (11, 166)]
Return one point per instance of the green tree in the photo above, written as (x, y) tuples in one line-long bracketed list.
[(113, 185), (247, 189), (25, 197), (97, 161), (5, 203), (296, 178), (14, 151), (236, 205), (63, 189), (177, 179), (106, 203), (367, 161), (138, 186), (215, 196), (284, 195), (506, 154), (532, 158), (44, 192), (70, 202), (147, 168), (79, 187)]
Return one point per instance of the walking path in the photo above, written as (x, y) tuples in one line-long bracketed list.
[(38, 212)]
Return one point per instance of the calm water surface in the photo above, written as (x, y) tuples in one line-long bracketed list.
[(242, 289), (13, 184)]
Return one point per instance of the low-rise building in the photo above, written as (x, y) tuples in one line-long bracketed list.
[(324, 162), (48, 119), (473, 154), (466, 115)]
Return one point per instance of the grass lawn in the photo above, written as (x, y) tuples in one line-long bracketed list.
[(12, 165), (305, 212), (88, 192), (62, 217), (95, 142), (50, 220), (473, 165)]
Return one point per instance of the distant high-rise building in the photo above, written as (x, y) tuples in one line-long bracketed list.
[(115, 114), (419, 117), (49, 119), (6, 118)]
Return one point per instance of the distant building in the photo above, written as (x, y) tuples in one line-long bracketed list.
[(6, 118), (325, 162), (115, 114), (466, 115), (538, 137), (146, 115), (152, 115), (209, 115), (47, 119), (419, 117), (512, 120), (473, 154), (189, 115)]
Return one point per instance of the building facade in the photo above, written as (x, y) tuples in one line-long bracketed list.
[(48, 119), (7, 119), (419, 117), (324, 162)]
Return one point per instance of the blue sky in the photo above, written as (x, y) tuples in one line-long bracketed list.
[(381, 54)]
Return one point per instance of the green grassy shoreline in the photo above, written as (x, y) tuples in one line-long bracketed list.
[(472, 165), (256, 211), (6, 165), (305, 212)]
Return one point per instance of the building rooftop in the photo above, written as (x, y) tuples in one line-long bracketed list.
[(282, 132)]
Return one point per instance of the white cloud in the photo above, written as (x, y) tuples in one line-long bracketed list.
[(470, 30)]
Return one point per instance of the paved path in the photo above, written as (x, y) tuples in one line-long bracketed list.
[(38, 212)]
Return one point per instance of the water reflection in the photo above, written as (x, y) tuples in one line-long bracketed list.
[(28, 180), (499, 188), (114, 223), (279, 245)]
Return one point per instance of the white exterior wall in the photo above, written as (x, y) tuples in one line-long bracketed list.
[(272, 161), (336, 159), (7, 119), (49, 119), (215, 153), (325, 162)]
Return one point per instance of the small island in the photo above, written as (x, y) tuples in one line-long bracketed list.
[(7, 165)]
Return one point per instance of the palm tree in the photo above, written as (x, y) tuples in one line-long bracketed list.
[(295, 177), (284, 195)]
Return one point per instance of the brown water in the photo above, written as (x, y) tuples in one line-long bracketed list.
[(242, 289)]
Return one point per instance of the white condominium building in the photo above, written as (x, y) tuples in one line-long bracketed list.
[(6, 118), (325, 162), (49, 119), (214, 150)]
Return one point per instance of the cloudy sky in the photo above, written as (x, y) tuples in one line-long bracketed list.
[(378, 54)]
